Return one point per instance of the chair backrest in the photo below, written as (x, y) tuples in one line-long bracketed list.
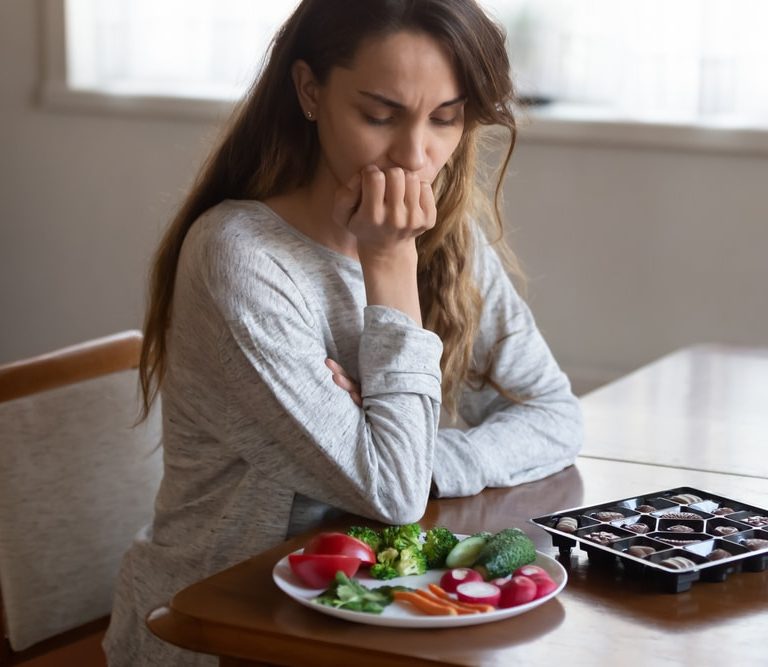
[(77, 481)]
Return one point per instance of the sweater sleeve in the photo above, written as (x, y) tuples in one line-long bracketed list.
[(376, 460), (508, 442)]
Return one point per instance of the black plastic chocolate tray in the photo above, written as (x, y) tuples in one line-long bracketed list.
[(675, 537)]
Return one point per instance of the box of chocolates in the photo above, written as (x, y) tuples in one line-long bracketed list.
[(675, 536)]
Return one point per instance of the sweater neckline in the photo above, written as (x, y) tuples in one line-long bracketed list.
[(332, 254)]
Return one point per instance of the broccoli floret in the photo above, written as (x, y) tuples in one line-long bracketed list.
[(383, 571), (388, 556), (437, 545), (368, 535), (401, 537), (412, 561)]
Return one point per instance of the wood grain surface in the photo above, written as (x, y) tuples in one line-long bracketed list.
[(599, 618), (701, 408)]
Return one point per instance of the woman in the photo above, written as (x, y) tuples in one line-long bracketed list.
[(324, 290)]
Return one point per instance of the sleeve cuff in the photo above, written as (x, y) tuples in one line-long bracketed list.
[(398, 356)]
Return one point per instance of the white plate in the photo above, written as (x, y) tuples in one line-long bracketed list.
[(398, 615)]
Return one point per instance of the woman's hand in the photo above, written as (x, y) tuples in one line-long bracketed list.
[(343, 380), (383, 208), (386, 211)]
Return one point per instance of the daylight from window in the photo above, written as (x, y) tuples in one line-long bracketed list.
[(654, 60)]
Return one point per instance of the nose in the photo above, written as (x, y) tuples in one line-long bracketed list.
[(408, 150)]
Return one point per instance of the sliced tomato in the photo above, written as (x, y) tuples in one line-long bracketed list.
[(341, 544), (319, 570)]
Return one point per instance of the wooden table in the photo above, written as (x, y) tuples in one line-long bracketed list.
[(702, 408), (598, 619)]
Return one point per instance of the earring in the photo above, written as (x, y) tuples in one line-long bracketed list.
[(309, 115)]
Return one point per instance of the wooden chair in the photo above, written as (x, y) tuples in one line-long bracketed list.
[(77, 480)]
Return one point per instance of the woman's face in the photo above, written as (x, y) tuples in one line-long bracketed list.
[(398, 105)]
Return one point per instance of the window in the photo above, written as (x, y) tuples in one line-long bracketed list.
[(695, 63), (184, 48), (680, 60)]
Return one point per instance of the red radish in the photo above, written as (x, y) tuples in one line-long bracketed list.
[(319, 570), (544, 587), (341, 544), (501, 581), (544, 583), (456, 576), (478, 592), (532, 572), (518, 590)]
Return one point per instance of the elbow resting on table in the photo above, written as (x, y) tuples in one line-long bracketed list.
[(400, 509)]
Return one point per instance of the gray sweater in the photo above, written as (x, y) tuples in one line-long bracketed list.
[(258, 441)]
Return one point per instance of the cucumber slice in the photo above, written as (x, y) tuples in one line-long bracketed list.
[(466, 552)]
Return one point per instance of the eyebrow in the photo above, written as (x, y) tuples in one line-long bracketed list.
[(397, 105)]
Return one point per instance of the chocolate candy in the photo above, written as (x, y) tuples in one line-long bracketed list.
[(725, 530), (602, 537), (608, 516), (685, 499), (723, 510), (677, 563), (679, 515), (640, 550), (755, 543), (679, 528), (645, 509), (717, 554), (672, 540), (567, 524), (639, 528), (756, 520)]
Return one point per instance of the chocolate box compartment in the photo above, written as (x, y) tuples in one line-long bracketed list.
[(636, 566), (628, 523), (563, 539), (656, 503), (674, 580), (719, 569), (600, 551), (623, 511), (757, 560), (744, 516), (680, 539), (722, 522), (682, 513), (694, 525)]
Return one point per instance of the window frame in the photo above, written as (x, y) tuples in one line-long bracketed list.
[(552, 124)]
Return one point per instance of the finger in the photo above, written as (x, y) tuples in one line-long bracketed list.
[(336, 367), (428, 205), (346, 200), (413, 199), (333, 365), (394, 198), (357, 398), (372, 195), (395, 192)]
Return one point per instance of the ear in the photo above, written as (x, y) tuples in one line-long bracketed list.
[(307, 87)]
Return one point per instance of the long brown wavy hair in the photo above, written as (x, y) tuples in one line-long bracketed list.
[(270, 149)]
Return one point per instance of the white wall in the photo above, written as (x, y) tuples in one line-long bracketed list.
[(631, 253)]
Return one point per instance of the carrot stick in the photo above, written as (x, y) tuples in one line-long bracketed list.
[(424, 604), (449, 602), (441, 593)]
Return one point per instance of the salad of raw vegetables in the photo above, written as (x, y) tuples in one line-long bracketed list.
[(494, 573)]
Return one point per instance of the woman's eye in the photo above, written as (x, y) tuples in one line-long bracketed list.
[(446, 122), (374, 120)]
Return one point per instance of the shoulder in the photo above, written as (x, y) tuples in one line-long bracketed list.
[(238, 251), (491, 274), (233, 229)]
